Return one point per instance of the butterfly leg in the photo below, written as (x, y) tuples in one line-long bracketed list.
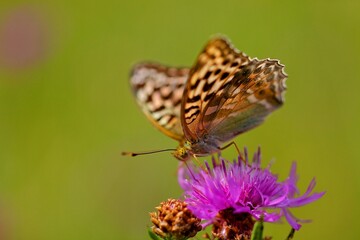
[(228, 145), (237, 149), (198, 162), (291, 234)]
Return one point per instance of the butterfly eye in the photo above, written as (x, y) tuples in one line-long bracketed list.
[(181, 153)]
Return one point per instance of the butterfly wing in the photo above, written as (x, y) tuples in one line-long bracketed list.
[(228, 93), (159, 90), (254, 92)]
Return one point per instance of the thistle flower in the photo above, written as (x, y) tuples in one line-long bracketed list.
[(174, 221), (239, 191)]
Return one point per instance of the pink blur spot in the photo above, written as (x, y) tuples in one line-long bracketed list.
[(23, 38)]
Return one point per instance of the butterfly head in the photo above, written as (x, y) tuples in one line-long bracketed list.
[(182, 152)]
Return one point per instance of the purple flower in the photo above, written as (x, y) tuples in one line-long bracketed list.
[(243, 187)]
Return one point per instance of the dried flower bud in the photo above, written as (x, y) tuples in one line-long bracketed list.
[(230, 225), (174, 221)]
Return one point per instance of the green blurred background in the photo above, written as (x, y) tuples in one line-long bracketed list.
[(66, 111)]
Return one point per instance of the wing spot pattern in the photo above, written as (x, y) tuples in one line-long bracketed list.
[(209, 96), (192, 117), (200, 87), (159, 92), (207, 75), (193, 99), (187, 110), (207, 86), (224, 75)]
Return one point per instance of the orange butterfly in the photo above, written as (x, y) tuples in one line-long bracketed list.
[(224, 94)]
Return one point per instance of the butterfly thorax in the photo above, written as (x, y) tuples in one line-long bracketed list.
[(205, 146)]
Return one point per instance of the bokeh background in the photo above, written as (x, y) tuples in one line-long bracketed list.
[(66, 111)]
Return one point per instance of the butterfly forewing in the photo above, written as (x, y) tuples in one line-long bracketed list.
[(159, 91), (228, 93), (210, 75)]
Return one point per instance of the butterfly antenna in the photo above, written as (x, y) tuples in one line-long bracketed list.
[(132, 154)]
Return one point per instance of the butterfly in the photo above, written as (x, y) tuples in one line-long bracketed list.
[(224, 94)]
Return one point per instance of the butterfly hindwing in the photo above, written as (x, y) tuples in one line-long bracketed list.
[(159, 91), (254, 92)]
